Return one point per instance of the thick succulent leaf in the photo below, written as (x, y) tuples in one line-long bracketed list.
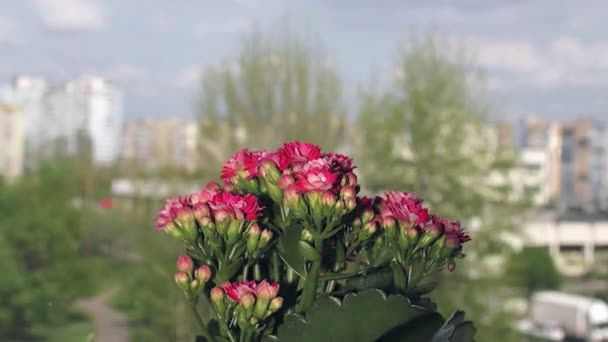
[(289, 250), (364, 317), (376, 279), (456, 329), (420, 329)]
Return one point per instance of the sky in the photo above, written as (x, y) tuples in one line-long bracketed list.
[(546, 58)]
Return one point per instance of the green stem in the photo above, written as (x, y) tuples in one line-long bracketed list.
[(201, 324), (257, 272), (276, 276), (310, 285), (245, 271)]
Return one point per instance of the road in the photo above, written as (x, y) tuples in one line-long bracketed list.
[(110, 325)]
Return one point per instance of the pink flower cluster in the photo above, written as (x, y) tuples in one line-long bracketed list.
[(264, 289), (302, 165), (205, 207), (405, 207)]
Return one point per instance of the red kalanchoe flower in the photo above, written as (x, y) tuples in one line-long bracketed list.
[(237, 289), (339, 162), (240, 206), (297, 152), (267, 291), (318, 179), (405, 207), (169, 213), (455, 235), (243, 163), (185, 264), (206, 194)]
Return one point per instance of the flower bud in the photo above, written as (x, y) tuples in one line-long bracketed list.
[(221, 221), (389, 225), (181, 279), (285, 181), (367, 215), (370, 227), (218, 296), (328, 199), (291, 197), (266, 291), (357, 222), (247, 301), (185, 220), (430, 235), (451, 265), (203, 273), (253, 236), (306, 236), (200, 210), (350, 204), (265, 238), (351, 178), (172, 229), (195, 284), (275, 304), (229, 187), (235, 231), (185, 264), (347, 192), (269, 171)]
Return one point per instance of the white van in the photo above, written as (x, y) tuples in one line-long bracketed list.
[(577, 316)]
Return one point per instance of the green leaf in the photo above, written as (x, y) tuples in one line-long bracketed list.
[(289, 251), (420, 329), (366, 316), (228, 270), (455, 329), (421, 289), (398, 276), (377, 279), (308, 251)]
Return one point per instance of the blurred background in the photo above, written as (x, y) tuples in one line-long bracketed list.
[(493, 111)]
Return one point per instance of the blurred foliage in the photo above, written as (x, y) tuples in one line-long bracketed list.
[(428, 134), (531, 270), (155, 307), (276, 90), (43, 266)]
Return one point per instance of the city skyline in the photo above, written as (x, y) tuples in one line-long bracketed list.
[(532, 53)]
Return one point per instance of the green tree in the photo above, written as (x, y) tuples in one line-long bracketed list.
[(428, 134), (276, 90), (43, 269), (531, 270)]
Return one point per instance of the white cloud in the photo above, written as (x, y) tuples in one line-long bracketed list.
[(71, 15), (563, 61), (8, 32), (189, 76)]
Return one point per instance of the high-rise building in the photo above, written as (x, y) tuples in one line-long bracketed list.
[(80, 116), (540, 160), (27, 92), (12, 141), (154, 144), (584, 162)]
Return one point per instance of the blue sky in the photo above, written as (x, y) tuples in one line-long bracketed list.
[(540, 57)]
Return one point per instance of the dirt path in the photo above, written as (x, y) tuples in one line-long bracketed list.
[(110, 325)]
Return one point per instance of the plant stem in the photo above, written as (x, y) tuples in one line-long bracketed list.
[(276, 276), (257, 272), (245, 271), (201, 324), (310, 285)]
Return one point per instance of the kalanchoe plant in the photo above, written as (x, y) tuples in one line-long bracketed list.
[(288, 230)]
